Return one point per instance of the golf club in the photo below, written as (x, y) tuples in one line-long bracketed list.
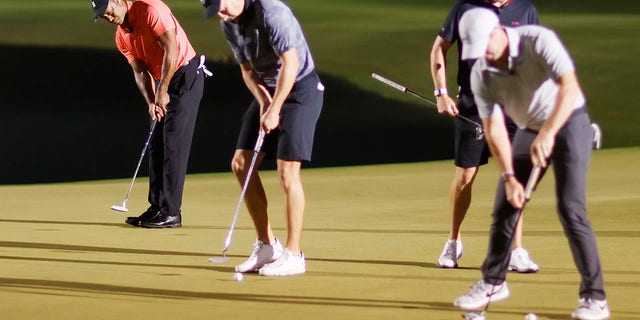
[(479, 130), (123, 207), (528, 190), (227, 241)]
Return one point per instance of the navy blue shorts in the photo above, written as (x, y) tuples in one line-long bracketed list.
[(293, 139), (469, 151)]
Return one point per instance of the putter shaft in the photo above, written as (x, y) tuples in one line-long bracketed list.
[(404, 89)]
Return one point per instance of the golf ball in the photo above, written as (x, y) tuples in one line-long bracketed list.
[(530, 316), (237, 276)]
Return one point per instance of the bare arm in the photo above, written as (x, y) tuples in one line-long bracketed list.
[(286, 78), (500, 146), (255, 86), (544, 142), (169, 44), (145, 84), (438, 67)]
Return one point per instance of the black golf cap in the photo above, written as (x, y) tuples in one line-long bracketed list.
[(99, 7), (211, 8)]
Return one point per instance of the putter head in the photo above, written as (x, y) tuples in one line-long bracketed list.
[(479, 133), (222, 259), (122, 208)]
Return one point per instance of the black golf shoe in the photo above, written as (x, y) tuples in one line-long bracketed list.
[(150, 213), (162, 220)]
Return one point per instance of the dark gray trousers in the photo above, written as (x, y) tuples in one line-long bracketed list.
[(171, 143), (570, 159)]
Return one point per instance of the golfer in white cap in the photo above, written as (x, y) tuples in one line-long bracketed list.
[(527, 73)]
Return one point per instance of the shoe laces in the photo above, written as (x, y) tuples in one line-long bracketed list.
[(256, 247), (451, 250), (523, 256), (591, 304)]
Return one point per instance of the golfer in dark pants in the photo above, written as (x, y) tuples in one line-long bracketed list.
[(171, 79), (470, 152), (527, 73)]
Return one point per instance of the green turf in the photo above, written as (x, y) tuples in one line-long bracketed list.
[(351, 39), (372, 236)]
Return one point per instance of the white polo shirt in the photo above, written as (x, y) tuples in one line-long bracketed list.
[(527, 91)]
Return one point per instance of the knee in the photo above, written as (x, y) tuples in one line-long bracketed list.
[(465, 176), (237, 165), (289, 175)]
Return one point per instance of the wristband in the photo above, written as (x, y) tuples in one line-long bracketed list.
[(507, 175), (440, 92)]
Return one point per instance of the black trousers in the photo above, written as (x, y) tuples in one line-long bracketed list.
[(570, 159), (171, 142)]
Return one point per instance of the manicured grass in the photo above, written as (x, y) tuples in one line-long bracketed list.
[(372, 236)]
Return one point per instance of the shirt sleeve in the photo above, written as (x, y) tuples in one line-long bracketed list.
[(160, 19), (553, 53), (449, 30), (283, 29), (124, 49)]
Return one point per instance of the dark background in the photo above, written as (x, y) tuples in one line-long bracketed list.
[(76, 114)]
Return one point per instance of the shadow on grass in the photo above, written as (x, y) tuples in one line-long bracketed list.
[(70, 114)]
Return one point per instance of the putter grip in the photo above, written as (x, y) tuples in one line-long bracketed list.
[(388, 82), (259, 142), (533, 177)]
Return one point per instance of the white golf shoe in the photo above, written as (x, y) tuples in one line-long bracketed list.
[(287, 265), (480, 294), (261, 255), (591, 309), (451, 252), (521, 263)]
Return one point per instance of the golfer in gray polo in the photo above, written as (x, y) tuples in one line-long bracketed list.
[(527, 73)]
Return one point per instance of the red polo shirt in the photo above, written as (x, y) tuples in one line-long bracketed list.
[(137, 40)]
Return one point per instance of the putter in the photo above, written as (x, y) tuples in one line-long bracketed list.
[(227, 241), (528, 190), (123, 207), (478, 127)]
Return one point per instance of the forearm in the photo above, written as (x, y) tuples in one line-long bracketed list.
[(145, 84), (254, 85), (286, 79), (498, 141), (169, 66)]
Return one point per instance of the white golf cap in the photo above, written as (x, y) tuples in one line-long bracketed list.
[(475, 29)]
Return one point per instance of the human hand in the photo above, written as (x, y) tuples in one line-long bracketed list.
[(541, 149), (446, 105)]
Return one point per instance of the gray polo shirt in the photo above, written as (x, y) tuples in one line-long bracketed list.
[(527, 91), (264, 31)]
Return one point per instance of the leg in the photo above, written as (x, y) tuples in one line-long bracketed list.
[(291, 183), (185, 93), (570, 160), (461, 198), (255, 197), (470, 154)]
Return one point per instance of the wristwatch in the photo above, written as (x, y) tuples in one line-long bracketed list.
[(439, 92)]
